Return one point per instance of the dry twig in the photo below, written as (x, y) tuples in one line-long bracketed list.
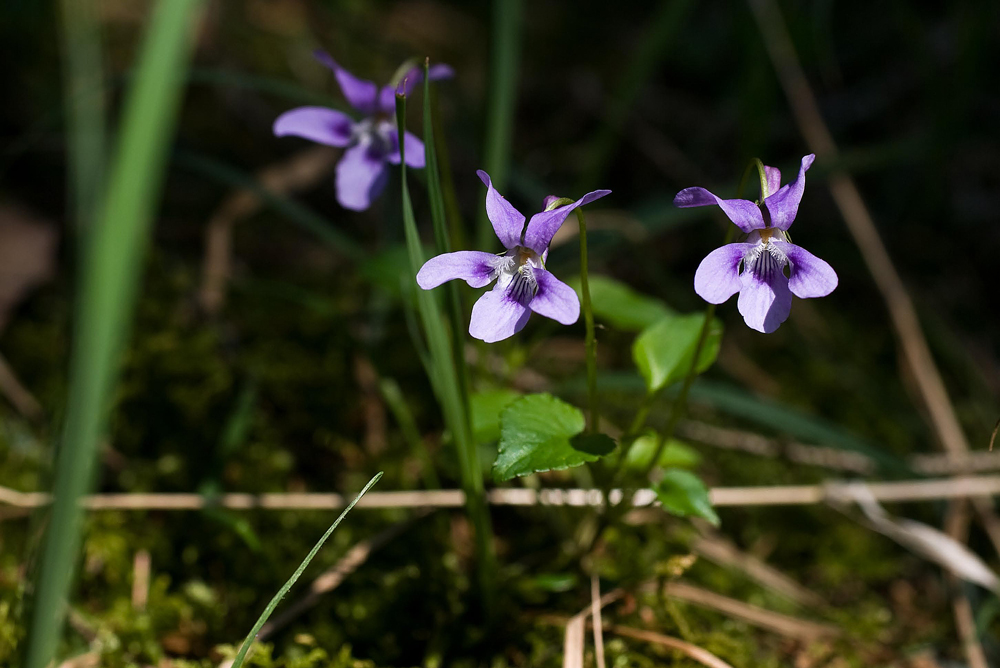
[(778, 495), (720, 550), (790, 627)]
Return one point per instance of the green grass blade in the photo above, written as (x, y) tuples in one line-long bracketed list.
[(248, 641), (446, 383), (505, 60), (112, 265), (85, 106), (442, 241)]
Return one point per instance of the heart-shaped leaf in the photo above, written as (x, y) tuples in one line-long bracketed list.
[(537, 434), (664, 351), (683, 493)]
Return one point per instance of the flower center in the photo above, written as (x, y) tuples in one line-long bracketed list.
[(517, 273)]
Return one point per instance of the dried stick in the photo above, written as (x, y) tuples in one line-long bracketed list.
[(956, 525), (720, 550), (790, 627), (18, 395), (595, 612), (778, 495)]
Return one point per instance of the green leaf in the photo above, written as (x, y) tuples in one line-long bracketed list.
[(675, 454), (663, 352), (536, 434), (484, 413), (683, 493), (621, 306)]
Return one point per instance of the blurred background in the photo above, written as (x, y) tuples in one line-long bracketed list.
[(270, 349)]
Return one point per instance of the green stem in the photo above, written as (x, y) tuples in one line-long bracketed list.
[(680, 403), (588, 319)]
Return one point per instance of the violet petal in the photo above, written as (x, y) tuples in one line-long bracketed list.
[(784, 204), (359, 93), (497, 316), (318, 124), (555, 299), (414, 151), (474, 267), (764, 301), (507, 221), (361, 176), (718, 276), (543, 226), (744, 214), (809, 276), (773, 175)]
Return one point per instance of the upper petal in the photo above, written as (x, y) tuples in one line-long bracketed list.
[(497, 316), (809, 276), (744, 214), (318, 124), (555, 299), (773, 175), (414, 151), (765, 301), (784, 204), (718, 276), (543, 226), (361, 94), (361, 176), (474, 267), (507, 221)]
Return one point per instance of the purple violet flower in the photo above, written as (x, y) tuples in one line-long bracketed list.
[(756, 267), (524, 284), (371, 143)]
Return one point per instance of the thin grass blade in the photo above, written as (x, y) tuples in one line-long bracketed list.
[(113, 257), (248, 641)]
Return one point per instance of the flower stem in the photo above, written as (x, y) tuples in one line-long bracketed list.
[(680, 403), (588, 319)]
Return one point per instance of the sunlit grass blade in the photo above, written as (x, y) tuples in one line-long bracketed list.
[(85, 107), (446, 383), (505, 57), (442, 241), (248, 641), (112, 256), (291, 209)]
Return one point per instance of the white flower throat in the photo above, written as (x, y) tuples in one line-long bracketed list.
[(766, 259), (516, 272)]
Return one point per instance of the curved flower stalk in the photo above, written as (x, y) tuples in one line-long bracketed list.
[(371, 143), (523, 283), (756, 267)]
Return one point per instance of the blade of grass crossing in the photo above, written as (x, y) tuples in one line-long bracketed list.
[(113, 255), (441, 238), (248, 641), (447, 385), (505, 60)]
